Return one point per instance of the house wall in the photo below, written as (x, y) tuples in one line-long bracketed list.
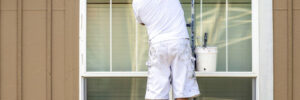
[(286, 16), (39, 49)]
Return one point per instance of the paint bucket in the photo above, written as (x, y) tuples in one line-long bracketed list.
[(206, 59)]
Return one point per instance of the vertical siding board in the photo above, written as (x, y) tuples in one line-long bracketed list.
[(8, 55), (0, 50), (49, 51), (58, 56), (35, 5), (8, 50), (34, 50), (58, 5), (296, 4), (280, 4), (34, 55), (71, 49), (296, 55), (19, 49), (280, 54), (293, 48), (290, 49), (280, 21), (9, 5)]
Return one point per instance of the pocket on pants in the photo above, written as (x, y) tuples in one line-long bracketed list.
[(151, 60), (192, 62), (150, 56), (192, 68)]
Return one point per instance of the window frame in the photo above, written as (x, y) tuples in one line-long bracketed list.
[(262, 53)]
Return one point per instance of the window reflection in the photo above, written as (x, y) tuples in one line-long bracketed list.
[(125, 47), (135, 88)]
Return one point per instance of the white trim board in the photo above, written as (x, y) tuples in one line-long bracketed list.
[(145, 74), (266, 50)]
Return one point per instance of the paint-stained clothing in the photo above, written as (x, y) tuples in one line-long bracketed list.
[(170, 62)]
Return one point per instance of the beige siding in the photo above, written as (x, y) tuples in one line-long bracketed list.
[(296, 53), (286, 49), (39, 49), (8, 50), (280, 17), (280, 55), (58, 50)]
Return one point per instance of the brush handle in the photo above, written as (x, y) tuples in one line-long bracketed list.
[(205, 40)]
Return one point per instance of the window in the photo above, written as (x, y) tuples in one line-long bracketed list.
[(130, 88), (114, 49)]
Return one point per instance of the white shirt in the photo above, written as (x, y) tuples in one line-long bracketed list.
[(164, 19)]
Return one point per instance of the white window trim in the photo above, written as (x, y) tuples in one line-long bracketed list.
[(262, 59), (266, 50), (144, 74)]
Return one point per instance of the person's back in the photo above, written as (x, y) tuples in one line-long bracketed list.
[(164, 19), (170, 61)]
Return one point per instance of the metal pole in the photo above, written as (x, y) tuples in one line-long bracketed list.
[(192, 25), (192, 28), (193, 31)]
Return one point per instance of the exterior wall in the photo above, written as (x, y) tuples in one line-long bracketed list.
[(286, 49), (39, 49)]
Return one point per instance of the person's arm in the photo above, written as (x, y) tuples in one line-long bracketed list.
[(137, 17), (139, 20)]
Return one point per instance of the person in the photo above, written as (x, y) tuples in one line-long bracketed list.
[(170, 62)]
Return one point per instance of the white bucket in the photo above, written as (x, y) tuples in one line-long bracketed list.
[(206, 59)]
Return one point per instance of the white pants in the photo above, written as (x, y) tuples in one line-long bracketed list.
[(171, 63)]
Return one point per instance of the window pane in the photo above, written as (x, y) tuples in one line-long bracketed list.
[(134, 88), (97, 50), (123, 38), (239, 35), (116, 88), (225, 88), (142, 48), (129, 40), (98, 1), (211, 18), (186, 5)]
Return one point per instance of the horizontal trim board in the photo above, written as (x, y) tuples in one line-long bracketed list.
[(181, 3), (145, 74)]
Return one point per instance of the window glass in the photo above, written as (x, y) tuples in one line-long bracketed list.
[(225, 88), (125, 47), (234, 39), (142, 48), (116, 88), (211, 18), (98, 37), (239, 35), (134, 88), (123, 38)]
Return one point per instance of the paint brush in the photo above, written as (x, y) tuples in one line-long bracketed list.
[(205, 40)]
